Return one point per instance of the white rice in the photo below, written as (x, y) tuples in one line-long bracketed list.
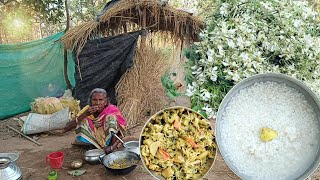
[(281, 108)]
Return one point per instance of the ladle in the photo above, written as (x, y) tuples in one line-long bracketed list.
[(124, 145)]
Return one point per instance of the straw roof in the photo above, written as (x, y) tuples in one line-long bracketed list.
[(130, 15)]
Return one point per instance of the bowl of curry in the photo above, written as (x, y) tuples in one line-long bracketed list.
[(177, 143)]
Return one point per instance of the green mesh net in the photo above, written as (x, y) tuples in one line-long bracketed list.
[(30, 70)]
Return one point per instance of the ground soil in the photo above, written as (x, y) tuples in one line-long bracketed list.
[(33, 165)]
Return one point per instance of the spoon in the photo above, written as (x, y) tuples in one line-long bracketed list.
[(120, 140)]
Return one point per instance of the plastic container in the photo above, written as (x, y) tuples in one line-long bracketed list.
[(53, 175), (55, 159)]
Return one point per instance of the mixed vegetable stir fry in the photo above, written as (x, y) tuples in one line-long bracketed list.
[(178, 144), (122, 163)]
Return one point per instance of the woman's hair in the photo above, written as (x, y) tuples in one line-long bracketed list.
[(96, 90)]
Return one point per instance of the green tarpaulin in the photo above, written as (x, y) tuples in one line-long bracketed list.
[(30, 70)]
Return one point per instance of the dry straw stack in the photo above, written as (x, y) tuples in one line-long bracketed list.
[(140, 92)]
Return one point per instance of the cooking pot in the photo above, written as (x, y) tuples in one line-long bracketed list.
[(8, 168), (120, 162), (92, 156)]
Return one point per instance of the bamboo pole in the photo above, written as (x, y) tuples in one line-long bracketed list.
[(27, 137)]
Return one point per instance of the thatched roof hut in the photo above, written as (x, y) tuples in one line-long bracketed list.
[(140, 90), (130, 15)]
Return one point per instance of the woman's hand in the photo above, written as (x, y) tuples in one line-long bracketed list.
[(93, 109), (70, 125)]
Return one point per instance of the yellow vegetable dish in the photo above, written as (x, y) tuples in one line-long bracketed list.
[(178, 144)]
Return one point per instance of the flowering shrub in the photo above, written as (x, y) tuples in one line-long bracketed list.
[(246, 37)]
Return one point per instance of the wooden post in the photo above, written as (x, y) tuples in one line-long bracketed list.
[(0, 37), (65, 52), (188, 37), (144, 26)]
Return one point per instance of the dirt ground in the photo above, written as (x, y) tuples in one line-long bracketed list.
[(33, 165)]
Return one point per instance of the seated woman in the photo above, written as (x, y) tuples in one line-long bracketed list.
[(98, 123)]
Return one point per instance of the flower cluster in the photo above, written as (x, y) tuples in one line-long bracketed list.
[(245, 37)]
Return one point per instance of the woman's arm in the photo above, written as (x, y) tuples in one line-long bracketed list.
[(116, 141), (74, 122)]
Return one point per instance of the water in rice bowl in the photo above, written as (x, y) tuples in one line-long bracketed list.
[(280, 108)]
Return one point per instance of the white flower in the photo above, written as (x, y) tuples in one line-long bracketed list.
[(221, 51), (194, 67), (267, 5), (235, 77), (201, 78), (194, 84), (297, 23), (224, 9), (225, 63), (190, 90), (210, 59), (210, 52), (230, 43), (241, 43), (244, 56), (205, 95), (209, 111)]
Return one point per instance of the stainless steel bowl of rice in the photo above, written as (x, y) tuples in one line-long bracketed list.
[(281, 104)]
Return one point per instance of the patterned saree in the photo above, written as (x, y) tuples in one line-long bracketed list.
[(96, 130)]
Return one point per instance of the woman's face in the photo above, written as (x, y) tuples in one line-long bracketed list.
[(99, 100)]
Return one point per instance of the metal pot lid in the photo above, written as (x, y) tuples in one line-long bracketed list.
[(13, 156), (12, 172)]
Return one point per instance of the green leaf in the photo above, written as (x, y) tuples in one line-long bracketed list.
[(77, 172), (170, 88)]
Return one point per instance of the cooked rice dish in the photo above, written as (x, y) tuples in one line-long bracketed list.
[(178, 144), (282, 109)]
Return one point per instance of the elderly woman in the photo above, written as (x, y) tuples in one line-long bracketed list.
[(97, 124)]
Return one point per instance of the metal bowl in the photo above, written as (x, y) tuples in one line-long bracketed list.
[(156, 175), (76, 164), (269, 77), (128, 160), (92, 156), (132, 146)]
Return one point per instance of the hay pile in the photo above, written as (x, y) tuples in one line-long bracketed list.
[(140, 92)]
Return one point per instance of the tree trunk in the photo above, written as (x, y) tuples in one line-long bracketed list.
[(1, 42), (65, 50)]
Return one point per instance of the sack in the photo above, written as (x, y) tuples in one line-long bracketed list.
[(38, 123)]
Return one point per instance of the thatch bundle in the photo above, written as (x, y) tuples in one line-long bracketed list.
[(130, 15), (140, 92)]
